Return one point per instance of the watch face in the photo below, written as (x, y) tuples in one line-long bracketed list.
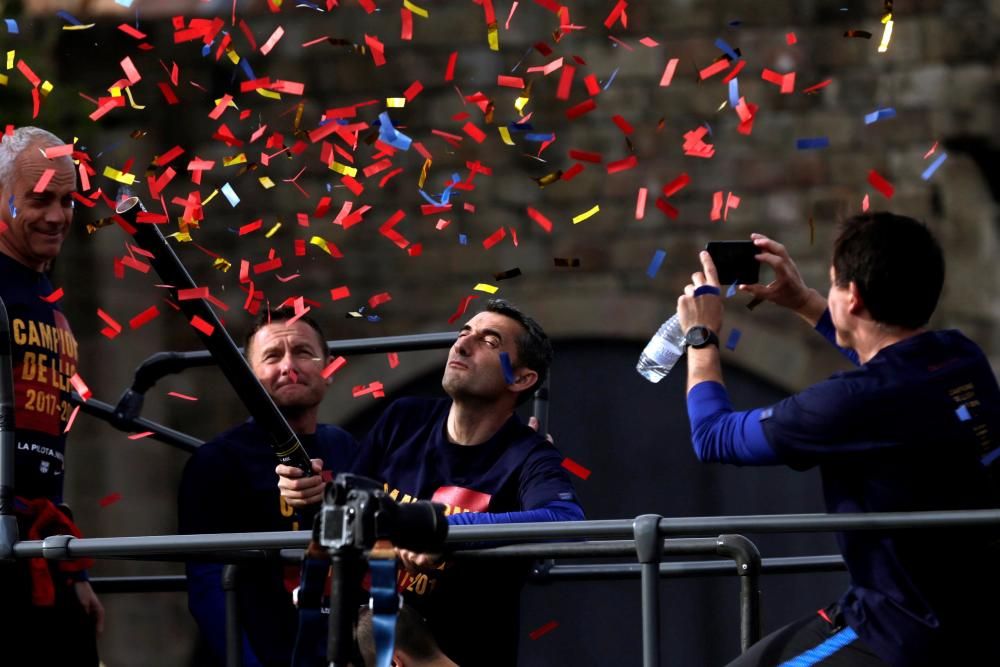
[(696, 336)]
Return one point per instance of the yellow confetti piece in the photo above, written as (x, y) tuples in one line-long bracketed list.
[(583, 216), (131, 101), (222, 264), (263, 92), (886, 36), (423, 173), (483, 287), (3, 79), (419, 11), (180, 237), (115, 175), (520, 102), (46, 88), (343, 169), (321, 243), (233, 56), (493, 35), (395, 102), (273, 230), (236, 159), (505, 135), (266, 182), (10, 60), (85, 26), (210, 197)]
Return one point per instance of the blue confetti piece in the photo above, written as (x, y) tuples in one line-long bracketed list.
[(430, 200), (520, 127), (12, 27), (230, 194), (725, 48), (533, 136), (10, 205), (508, 369), (124, 3), (991, 457), (69, 18), (373, 318), (813, 142), (654, 266), (929, 171), (734, 93), (734, 339), (611, 78), (963, 413), (731, 292), (879, 114), (709, 128), (207, 50), (245, 64), (463, 239), (390, 135), (735, 23)]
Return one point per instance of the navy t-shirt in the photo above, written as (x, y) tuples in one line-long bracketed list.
[(908, 431), (229, 486), (45, 358), (472, 608)]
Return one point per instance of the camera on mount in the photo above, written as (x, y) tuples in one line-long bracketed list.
[(357, 512)]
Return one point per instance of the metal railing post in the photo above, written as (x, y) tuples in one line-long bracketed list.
[(234, 635), (747, 558), (649, 548)]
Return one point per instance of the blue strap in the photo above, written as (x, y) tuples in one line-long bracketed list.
[(824, 650), (385, 607), (311, 637), (707, 289)]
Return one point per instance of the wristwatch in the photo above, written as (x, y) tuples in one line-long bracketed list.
[(700, 336)]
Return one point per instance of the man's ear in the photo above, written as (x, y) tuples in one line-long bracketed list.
[(856, 305), (525, 379)]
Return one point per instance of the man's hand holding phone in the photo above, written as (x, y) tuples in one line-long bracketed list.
[(788, 289)]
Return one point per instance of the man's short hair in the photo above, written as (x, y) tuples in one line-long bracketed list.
[(534, 350), (272, 315), (896, 263), (12, 145), (413, 637)]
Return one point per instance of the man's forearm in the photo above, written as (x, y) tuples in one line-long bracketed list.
[(703, 365)]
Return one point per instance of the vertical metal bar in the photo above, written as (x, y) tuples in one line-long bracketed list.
[(748, 566), (234, 634), (8, 521), (540, 407), (649, 549)]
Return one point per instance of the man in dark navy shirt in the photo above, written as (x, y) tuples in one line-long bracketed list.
[(51, 613), (472, 453), (915, 427), (228, 486)]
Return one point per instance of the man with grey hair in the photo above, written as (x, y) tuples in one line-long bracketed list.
[(50, 611)]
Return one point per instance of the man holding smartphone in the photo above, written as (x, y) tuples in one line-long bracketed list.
[(915, 427)]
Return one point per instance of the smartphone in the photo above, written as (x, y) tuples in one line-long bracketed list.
[(735, 261)]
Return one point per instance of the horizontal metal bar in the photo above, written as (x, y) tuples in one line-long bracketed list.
[(603, 549), (106, 412), (609, 571)]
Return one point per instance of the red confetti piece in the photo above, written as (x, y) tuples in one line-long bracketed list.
[(551, 625), (622, 124), (375, 389), (378, 299), (879, 183), (494, 238), (393, 360), (202, 326), (575, 468), (865, 203), (510, 81), (931, 151), (377, 49), (713, 69), (716, 213), (52, 298), (72, 418), (580, 109), (272, 40), (667, 209), (617, 12), (736, 70), (333, 367), (542, 221), (251, 227), (565, 82), (622, 165), (140, 436), (585, 156), (415, 89), (168, 95), (640, 204), (790, 38), (131, 32), (449, 72), (183, 397), (593, 88), (821, 84), (674, 186), (477, 135), (144, 317), (668, 72), (109, 499), (786, 81), (80, 386), (462, 307), (572, 172), (113, 328), (43, 181)]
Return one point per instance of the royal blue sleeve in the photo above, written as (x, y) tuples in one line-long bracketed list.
[(557, 510), (721, 435), (826, 329), (207, 603)]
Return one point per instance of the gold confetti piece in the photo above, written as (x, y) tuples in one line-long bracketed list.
[(236, 159), (273, 230), (3, 79), (343, 169), (10, 60), (395, 102), (131, 100), (46, 88), (520, 102), (210, 197), (180, 237), (97, 224), (423, 173), (548, 179), (583, 216), (84, 26), (115, 175), (233, 56), (419, 11), (115, 91), (321, 243), (263, 92), (505, 135), (266, 182), (222, 264), (886, 36), (493, 36), (483, 287)]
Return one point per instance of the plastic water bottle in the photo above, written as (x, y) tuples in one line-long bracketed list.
[(662, 351)]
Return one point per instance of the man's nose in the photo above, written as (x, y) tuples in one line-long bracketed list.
[(461, 346)]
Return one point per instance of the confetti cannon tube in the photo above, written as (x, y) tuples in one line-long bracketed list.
[(8, 522), (282, 439)]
